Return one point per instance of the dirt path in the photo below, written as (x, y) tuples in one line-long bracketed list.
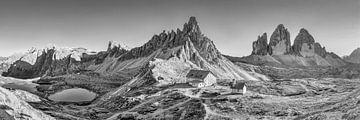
[(209, 111), (113, 117), (159, 111)]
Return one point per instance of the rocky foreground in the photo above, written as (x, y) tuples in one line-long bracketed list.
[(14, 106)]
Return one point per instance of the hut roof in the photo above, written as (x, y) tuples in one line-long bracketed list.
[(198, 74), (237, 85)]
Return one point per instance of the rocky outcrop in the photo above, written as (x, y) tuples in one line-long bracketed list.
[(260, 46), (280, 41)]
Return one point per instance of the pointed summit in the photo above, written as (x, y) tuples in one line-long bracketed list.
[(192, 26), (280, 41), (192, 20), (260, 46), (280, 27), (303, 30), (303, 38)]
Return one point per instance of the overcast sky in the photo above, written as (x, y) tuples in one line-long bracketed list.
[(232, 24)]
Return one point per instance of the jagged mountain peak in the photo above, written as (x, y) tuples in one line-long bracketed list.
[(192, 26), (167, 40), (304, 31), (280, 27)]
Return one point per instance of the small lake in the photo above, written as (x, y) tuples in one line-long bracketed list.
[(73, 95)]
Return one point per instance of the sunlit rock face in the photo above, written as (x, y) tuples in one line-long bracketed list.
[(280, 41)]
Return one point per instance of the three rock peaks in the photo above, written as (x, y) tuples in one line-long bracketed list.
[(304, 44)]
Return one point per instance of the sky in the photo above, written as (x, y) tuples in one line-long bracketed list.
[(232, 24)]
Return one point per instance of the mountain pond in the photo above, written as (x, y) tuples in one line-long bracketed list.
[(73, 95)]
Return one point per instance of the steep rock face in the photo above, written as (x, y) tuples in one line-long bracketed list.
[(260, 46), (52, 61), (354, 57), (280, 41)]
